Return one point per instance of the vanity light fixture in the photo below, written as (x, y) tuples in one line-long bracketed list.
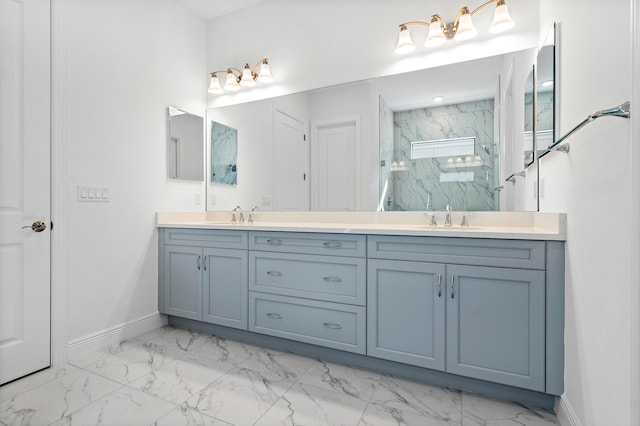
[(236, 79), (460, 29)]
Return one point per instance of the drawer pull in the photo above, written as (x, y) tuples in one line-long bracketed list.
[(274, 273), (439, 285), (332, 325), (332, 244), (274, 241), (274, 316), (333, 279), (198, 262)]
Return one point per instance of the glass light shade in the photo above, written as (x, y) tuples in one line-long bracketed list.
[(466, 30), (231, 84), (436, 36), (405, 44), (247, 77), (501, 20), (214, 86), (264, 76)]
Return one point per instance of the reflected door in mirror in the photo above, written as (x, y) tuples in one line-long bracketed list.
[(185, 154)]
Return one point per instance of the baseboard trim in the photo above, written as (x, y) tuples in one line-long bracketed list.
[(80, 347), (565, 413)]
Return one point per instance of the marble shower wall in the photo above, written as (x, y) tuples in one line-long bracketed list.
[(224, 154), (431, 183)]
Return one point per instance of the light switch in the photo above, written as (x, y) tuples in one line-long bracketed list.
[(84, 192), (93, 193)]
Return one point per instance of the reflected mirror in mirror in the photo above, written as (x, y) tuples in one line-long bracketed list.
[(545, 94), (381, 117), (185, 152), (224, 154), (529, 118)]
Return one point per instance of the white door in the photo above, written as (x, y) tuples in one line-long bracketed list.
[(291, 164), (338, 167), (24, 187)]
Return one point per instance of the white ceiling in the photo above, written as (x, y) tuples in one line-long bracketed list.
[(211, 9)]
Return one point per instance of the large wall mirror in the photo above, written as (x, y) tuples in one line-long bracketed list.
[(185, 154), (415, 141), (546, 93)]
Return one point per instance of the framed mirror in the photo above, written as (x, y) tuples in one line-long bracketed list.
[(185, 152), (224, 154), (529, 119)]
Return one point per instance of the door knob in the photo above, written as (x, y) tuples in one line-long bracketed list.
[(37, 226)]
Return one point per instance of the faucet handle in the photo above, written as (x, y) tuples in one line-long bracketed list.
[(432, 221), (465, 220), (254, 211)]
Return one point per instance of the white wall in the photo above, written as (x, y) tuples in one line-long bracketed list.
[(126, 62), (594, 185)]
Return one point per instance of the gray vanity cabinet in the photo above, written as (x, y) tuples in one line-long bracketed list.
[(203, 275), (406, 312), (496, 325), (485, 322)]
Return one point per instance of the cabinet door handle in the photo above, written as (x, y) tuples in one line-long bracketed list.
[(453, 284), (439, 285), (332, 325), (333, 279), (274, 273), (198, 262), (204, 263), (274, 241), (332, 244), (274, 316)]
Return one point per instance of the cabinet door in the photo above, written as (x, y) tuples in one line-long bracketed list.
[(406, 312), (183, 281), (496, 325), (225, 287)]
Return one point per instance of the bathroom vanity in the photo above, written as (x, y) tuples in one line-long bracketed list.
[(478, 308)]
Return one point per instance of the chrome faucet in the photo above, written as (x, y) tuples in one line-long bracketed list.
[(447, 218), (254, 211), (240, 218)]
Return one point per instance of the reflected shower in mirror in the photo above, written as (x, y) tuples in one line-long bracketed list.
[(224, 154), (529, 119), (185, 152)]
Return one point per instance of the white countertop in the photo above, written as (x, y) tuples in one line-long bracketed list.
[(499, 225)]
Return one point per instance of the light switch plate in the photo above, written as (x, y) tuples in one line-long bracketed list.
[(93, 193)]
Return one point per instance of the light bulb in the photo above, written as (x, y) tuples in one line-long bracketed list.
[(214, 86), (436, 36), (247, 77), (501, 19), (264, 76), (465, 30), (231, 84), (405, 44)]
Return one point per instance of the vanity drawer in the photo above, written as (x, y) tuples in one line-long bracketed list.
[(309, 243), (205, 238), (523, 254), (321, 323), (330, 278)]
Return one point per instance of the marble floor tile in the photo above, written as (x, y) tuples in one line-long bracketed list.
[(343, 379), (184, 416), (311, 406), (174, 338), (34, 380), (437, 403), (241, 396), (130, 360), (220, 349), (182, 378), (380, 415), (123, 407), (283, 364), (478, 410), (54, 400)]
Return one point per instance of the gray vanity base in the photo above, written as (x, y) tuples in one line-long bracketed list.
[(418, 374)]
